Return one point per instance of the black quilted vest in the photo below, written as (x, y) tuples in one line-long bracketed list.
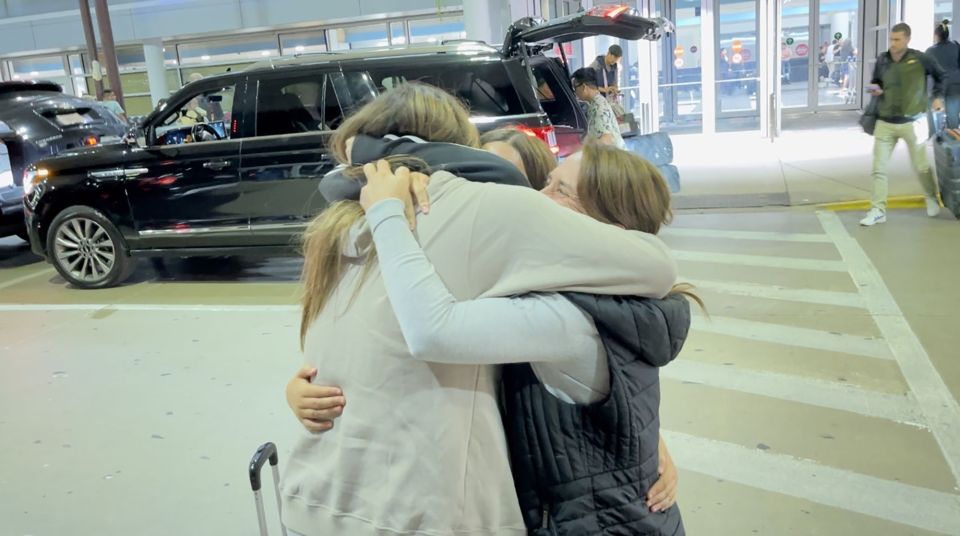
[(586, 469)]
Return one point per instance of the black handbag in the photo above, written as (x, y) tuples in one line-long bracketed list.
[(869, 118)]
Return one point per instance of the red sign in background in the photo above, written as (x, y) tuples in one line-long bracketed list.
[(802, 49)]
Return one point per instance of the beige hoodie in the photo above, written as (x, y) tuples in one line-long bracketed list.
[(421, 450)]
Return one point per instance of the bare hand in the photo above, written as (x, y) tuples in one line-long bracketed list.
[(402, 184), (938, 105), (876, 92), (314, 406), (663, 493)]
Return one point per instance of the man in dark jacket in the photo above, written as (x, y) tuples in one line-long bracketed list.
[(607, 69), (900, 81)]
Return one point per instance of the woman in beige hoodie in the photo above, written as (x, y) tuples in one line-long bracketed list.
[(424, 450)]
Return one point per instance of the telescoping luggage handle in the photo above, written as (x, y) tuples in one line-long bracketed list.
[(266, 452)]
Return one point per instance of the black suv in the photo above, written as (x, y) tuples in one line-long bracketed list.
[(38, 121), (231, 164)]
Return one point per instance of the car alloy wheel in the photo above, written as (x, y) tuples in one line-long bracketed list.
[(85, 250)]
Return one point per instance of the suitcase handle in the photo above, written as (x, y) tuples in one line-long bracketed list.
[(266, 452)]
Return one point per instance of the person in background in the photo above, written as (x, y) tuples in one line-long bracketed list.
[(110, 101), (947, 54), (900, 80), (601, 121), (607, 69), (528, 153)]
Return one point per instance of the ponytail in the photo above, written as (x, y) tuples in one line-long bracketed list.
[(942, 31)]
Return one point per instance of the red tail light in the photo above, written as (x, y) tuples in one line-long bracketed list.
[(546, 134), (90, 141), (611, 12)]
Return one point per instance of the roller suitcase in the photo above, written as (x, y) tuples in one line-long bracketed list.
[(672, 175), (655, 148), (265, 453), (946, 150)]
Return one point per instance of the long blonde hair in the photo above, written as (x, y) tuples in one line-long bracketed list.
[(412, 108), (620, 188)]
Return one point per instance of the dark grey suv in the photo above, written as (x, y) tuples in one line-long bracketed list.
[(231, 163), (38, 121)]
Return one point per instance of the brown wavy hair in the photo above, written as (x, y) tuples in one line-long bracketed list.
[(620, 188)]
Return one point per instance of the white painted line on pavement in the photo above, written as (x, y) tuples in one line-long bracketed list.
[(939, 407), (766, 261), (793, 336), (147, 307), (21, 279), (810, 391), (885, 499), (744, 235), (777, 292)]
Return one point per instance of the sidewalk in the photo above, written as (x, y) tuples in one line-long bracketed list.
[(802, 167)]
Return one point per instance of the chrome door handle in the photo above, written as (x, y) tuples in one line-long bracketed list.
[(216, 165), (135, 172)]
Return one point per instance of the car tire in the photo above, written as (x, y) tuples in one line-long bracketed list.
[(87, 249)]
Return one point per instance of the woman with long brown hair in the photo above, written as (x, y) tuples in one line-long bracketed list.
[(424, 450)]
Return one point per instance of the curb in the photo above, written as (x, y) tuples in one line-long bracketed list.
[(908, 201)]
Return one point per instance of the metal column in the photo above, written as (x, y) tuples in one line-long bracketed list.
[(91, 40), (770, 61), (109, 50), (708, 65)]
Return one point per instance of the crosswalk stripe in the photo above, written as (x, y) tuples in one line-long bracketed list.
[(794, 336), (766, 261), (810, 391), (806, 479), (777, 292), (744, 235), (940, 409)]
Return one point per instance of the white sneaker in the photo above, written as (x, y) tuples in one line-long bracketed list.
[(874, 217), (933, 207)]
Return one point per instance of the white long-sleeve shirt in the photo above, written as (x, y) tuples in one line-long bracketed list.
[(558, 339)]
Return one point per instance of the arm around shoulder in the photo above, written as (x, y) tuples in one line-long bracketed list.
[(539, 245)]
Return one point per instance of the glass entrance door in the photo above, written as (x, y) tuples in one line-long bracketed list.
[(820, 45), (737, 64), (680, 78)]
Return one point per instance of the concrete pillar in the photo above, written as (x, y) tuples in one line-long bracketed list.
[(156, 73), (919, 15), (486, 20)]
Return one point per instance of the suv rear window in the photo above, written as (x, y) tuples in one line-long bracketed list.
[(69, 117), (483, 86)]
